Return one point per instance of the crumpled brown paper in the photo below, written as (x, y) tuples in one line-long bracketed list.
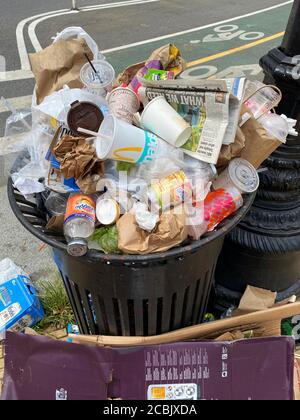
[(170, 232), (231, 151), (169, 56), (59, 65), (252, 143), (259, 144), (78, 160)]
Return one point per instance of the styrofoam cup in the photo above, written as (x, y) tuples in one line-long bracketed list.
[(123, 103), (161, 119), (118, 140)]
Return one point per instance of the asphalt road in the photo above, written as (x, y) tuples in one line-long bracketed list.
[(113, 27)]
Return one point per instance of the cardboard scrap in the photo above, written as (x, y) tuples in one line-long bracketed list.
[(255, 299), (59, 65), (56, 224), (297, 378), (211, 330)]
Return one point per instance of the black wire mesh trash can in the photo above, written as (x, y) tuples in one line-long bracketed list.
[(133, 295)]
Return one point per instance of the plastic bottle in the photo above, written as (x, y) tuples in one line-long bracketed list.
[(56, 204), (79, 224)]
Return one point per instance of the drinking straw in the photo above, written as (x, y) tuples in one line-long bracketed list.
[(93, 67)]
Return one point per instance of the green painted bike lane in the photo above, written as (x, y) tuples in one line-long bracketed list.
[(205, 43)]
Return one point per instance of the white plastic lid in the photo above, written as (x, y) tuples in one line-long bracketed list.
[(276, 126), (244, 175), (107, 211), (106, 75)]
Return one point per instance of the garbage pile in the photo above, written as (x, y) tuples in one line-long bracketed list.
[(142, 163)]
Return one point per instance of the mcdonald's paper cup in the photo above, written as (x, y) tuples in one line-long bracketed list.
[(123, 103), (118, 140), (161, 119)]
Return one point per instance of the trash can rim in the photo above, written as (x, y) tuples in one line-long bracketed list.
[(174, 253)]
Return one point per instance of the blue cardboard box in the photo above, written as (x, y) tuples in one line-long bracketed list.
[(19, 305)]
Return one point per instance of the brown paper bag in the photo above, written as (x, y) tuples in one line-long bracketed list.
[(59, 65), (170, 231), (259, 145), (232, 151)]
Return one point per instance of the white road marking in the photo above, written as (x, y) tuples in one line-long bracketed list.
[(25, 64), (189, 31), (18, 103), (31, 30), (9, 76), (32, 27), (25, 72)]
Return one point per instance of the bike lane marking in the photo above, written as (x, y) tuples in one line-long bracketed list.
[(194, 45)]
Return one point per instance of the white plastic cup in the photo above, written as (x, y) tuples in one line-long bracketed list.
[(161, 119), (120, 141), (102, 82), (123, 103), (241, 175)]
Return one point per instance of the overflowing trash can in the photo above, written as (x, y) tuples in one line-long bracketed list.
[(133, 295), (134, 180)]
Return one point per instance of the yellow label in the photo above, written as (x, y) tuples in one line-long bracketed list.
[(118, 153), (159, 393)]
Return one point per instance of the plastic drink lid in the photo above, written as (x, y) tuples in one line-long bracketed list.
[(107, 211), (275, 125), (244, 175), (77, 247), (104, 77), (84, 115)]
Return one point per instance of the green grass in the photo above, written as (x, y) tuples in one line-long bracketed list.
[(58, 311)]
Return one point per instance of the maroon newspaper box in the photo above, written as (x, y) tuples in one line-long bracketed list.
[(37, 368)]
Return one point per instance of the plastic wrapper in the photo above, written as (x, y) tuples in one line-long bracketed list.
[(29, 178), (16, 138), (144, 218)]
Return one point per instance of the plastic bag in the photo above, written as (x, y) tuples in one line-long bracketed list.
[(78, 32), (15, 139), (27, 179), (9, 270), (71, 33), (59, 103)]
